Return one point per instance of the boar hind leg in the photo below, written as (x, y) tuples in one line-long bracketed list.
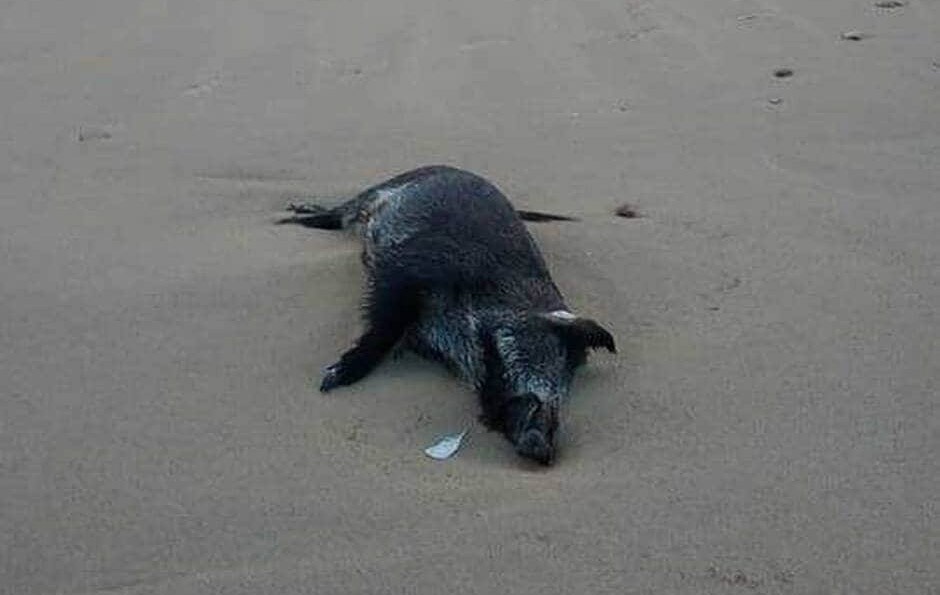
[(392, 307), (315, 216)]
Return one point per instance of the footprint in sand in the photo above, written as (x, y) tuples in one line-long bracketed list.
[(94, 133), (204, 88)]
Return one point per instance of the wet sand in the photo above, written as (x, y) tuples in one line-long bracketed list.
[(770, 424)]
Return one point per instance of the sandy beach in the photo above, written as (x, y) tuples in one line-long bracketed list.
[(770, 424)]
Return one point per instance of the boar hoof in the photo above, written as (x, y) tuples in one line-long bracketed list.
[(332, 377)]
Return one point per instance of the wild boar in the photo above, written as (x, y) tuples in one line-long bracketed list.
[(454, 275)]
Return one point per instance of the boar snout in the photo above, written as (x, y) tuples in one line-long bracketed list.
[(532, 425)]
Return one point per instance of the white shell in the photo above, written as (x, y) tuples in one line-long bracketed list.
[(445, 447)]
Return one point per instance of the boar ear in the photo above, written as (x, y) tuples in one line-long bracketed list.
[(584, 331)]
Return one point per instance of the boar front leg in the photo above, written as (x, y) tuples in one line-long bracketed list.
[(392, 306)]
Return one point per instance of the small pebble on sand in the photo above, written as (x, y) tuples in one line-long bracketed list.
[(627, 211), (854, 36)]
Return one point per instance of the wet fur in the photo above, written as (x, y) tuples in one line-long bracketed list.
[(454, 275)]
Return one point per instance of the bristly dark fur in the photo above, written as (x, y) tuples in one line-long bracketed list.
[(455, 275)]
